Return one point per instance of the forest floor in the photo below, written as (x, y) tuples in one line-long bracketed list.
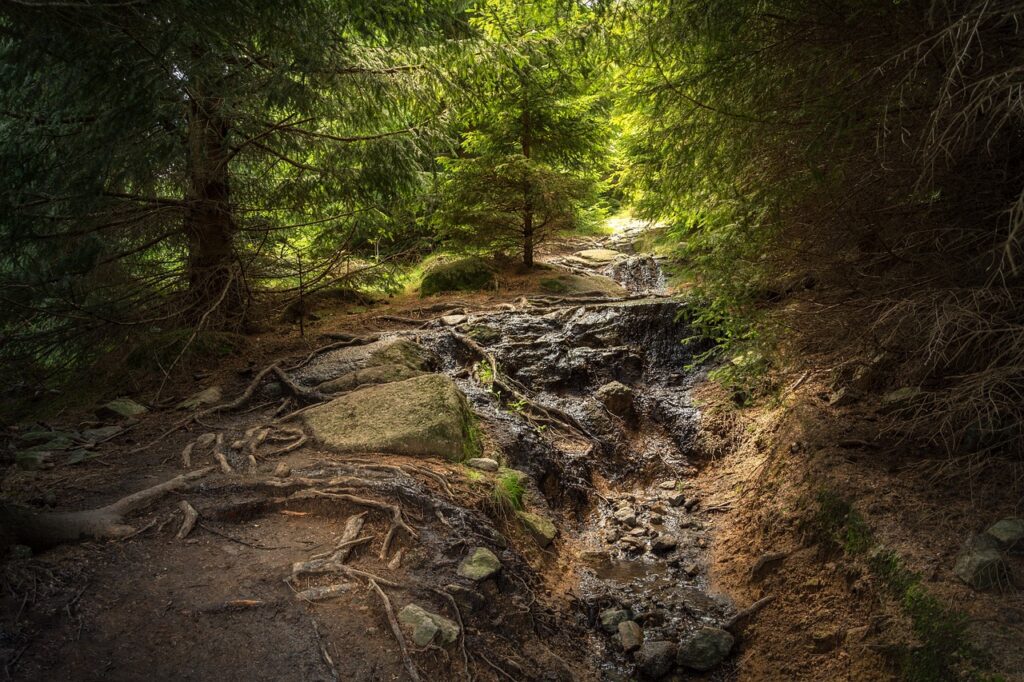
[(764, 484)]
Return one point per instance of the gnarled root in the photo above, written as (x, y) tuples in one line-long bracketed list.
[(42, 530)]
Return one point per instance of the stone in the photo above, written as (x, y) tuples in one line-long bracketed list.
[(610, 619), (453, 320), (467, 598), (540, 527), (664, 543), (479, 565), (482, 463), (617, 398), (599, 256), (677, 500), (655, 658), (467, 274), (825, 638), (208, 396), (1008, 534), (120, 408), (370, 376), (626, 516), (426, 416), (843, 397), (426, 627), (668, 485), (334, 365), (282, 470), (581, 284), (631, 636), (982, 568), (705, 649)]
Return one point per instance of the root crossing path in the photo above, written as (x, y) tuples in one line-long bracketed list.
[(499, 489)]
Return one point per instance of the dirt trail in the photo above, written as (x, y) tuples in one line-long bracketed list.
[(589, 410)]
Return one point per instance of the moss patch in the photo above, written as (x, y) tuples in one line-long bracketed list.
[(468, 274)]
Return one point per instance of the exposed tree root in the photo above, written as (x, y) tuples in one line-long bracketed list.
[(324, 592), (189, 522), (42, 530), (410, 667), (743, 616), (552, 415)]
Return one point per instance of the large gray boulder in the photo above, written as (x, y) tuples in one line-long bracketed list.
[(426, 416), (705, 649), (335, 364)]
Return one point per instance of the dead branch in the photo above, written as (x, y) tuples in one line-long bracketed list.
[(746, 613)]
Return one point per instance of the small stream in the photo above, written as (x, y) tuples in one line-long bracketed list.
[(633, 536)]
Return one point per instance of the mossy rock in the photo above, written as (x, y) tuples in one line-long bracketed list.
[(485, 334), (426, 416), (581, 284), (468, 274), (540, 527)]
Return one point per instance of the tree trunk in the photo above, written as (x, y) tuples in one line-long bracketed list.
[(215, 287), (526, 141)]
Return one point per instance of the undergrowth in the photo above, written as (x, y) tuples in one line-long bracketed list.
[(507, 494), (943, 651)]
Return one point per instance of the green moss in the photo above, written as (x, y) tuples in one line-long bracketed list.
[(472, 439), (941, 631), (468, 274)]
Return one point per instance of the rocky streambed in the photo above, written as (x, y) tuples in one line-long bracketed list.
[(585, 399)]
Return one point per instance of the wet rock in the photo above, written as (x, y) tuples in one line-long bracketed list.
[(631, 636), (626, 516), (705, 649), (467, 598), (677, 500), (656, 658), (691, 504), (426, 627), (482, 463), (664, 543), (617, 398), (121, 408), (208, 396), (982, 567), (581, 284), (610, 619), (613, 536), (426, 416), (479, 565), (485, 334), (1008, 534), (540, 527)]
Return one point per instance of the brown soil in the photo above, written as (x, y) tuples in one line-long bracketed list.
[(832, 617)]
